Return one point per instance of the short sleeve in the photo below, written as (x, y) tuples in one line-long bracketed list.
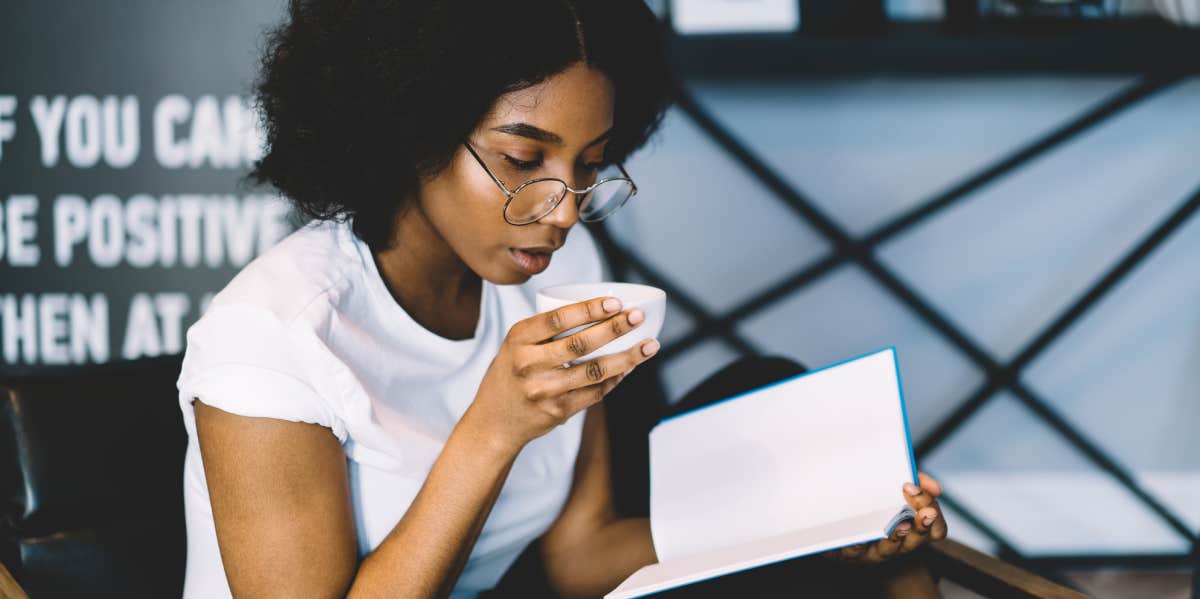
[(244, 360)]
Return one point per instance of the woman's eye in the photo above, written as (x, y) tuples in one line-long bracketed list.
[(529, 165), (525, 165)]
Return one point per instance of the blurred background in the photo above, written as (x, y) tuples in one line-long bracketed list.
[(1003, 190)]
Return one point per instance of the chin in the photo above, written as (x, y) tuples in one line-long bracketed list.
[(511, 277), (502, 274)]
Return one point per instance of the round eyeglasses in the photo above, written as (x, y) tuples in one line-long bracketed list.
[(536, 198)]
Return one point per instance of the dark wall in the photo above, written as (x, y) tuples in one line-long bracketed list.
[(124, 130)]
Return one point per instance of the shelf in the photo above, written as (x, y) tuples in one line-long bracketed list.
[(1102, 47)]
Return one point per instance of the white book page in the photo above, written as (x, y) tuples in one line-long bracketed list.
[(813, 450), (718, 562)]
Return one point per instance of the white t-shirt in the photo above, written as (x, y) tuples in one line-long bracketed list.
[(308, 332)]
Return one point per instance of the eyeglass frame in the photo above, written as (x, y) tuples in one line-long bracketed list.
[(566, 187)]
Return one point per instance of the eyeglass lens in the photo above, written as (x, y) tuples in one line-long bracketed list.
[(536, 200)]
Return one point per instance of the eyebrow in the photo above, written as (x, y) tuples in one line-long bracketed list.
[(538, 134)]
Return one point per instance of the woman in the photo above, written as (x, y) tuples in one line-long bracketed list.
[(373, 407)]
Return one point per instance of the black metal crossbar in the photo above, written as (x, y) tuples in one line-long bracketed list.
[(861, 251), (1009, 376), (1125, 98)]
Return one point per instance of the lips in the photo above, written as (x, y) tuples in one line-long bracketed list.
[(531, 261)]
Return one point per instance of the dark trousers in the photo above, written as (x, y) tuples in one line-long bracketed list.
[(633, 409)]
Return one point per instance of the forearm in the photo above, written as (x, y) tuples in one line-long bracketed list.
[(902, 577), (426, 551), (910, 579), (602, 559)]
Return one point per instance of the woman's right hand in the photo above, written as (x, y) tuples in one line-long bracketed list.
[(526, 391)]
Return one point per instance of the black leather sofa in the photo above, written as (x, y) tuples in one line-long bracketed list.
[(91, 479)]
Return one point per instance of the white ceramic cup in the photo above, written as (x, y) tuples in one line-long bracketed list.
[(652, 301)]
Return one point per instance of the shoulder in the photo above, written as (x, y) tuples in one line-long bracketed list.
[(311, 263), (255, 350)]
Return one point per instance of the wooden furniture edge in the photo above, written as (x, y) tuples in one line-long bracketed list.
[(9, 589), (991, 576)]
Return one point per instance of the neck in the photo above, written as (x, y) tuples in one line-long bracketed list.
[(428, 279)]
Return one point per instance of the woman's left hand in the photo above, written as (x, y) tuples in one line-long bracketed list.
[(929, 525)]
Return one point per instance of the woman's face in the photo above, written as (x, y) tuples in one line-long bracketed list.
[(557, 128)]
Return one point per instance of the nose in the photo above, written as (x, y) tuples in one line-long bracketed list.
[(565, 214)]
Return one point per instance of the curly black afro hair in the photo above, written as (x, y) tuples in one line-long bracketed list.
[(361, 99)]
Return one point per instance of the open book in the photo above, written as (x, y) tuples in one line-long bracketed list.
[(801, 466)]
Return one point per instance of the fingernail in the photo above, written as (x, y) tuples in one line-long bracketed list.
[(912, 489), (930, 518), (612, 304), (636, 316), (650, 348), (903, 529)]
